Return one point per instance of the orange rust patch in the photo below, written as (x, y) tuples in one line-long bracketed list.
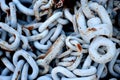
[(72, 61), (50, 49), (14, 36), (45, 10), (53, 46), (79, 47), (8, 12), (42, 57), (30, 28), (92, 29), (6, 50)]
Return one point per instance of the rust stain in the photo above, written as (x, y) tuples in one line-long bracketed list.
[(30, 28), (79, 47), (43, 56), (8, 50), (47, 28), (45, 10), (14, 36), (8, 12), (92, 29), (59, 3), (50, 49), (72, 61), (4, 48), (53, 46)]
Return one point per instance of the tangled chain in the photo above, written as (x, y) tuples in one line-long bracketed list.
[(59, 39)]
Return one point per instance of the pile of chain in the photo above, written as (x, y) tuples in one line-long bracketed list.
[(59, 39)]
